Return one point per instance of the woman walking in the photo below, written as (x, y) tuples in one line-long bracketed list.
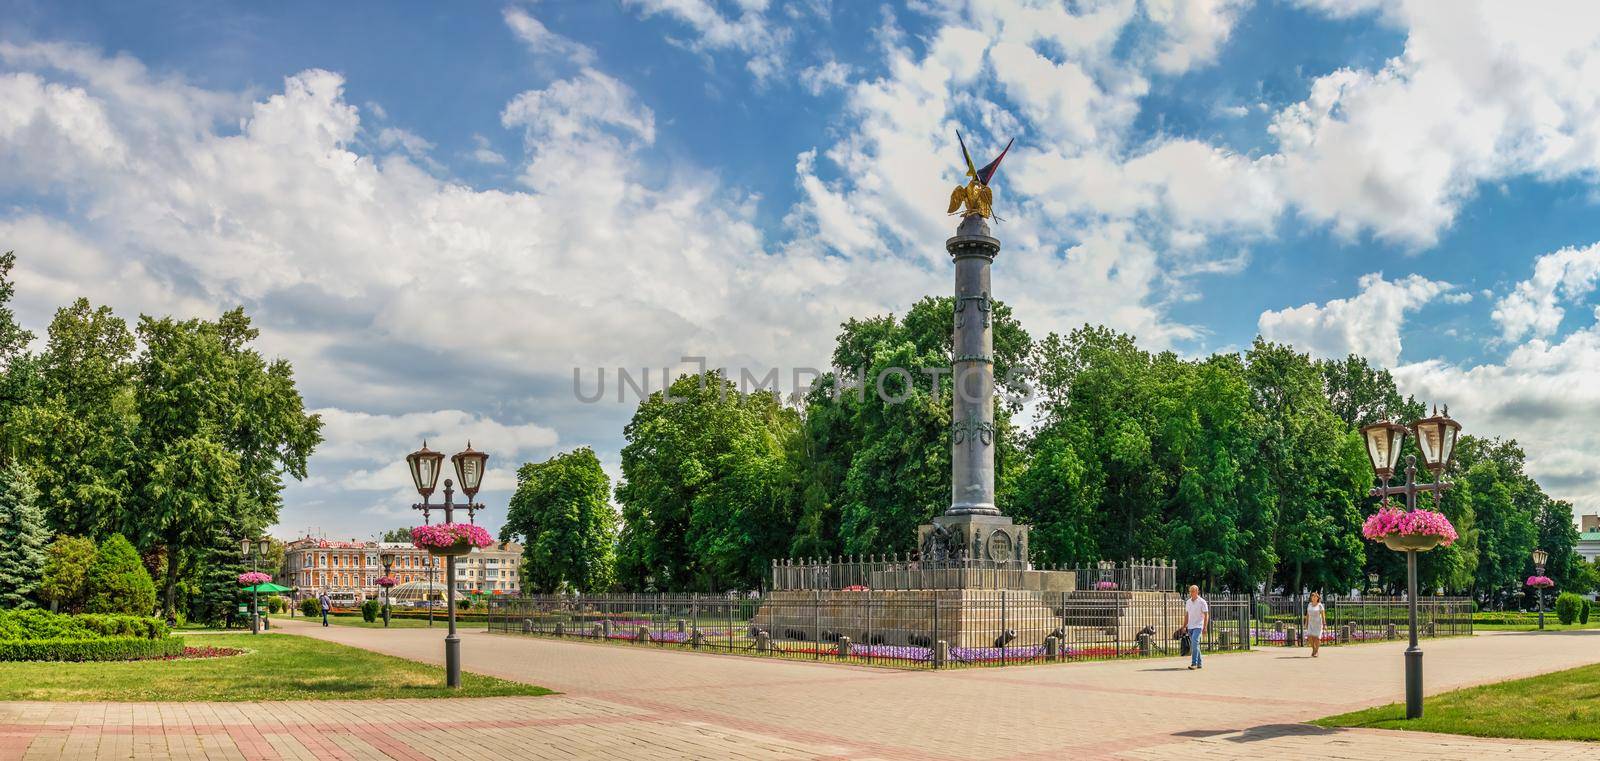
[(1316, 617)]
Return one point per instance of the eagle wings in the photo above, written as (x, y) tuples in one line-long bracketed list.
[(975, 195)]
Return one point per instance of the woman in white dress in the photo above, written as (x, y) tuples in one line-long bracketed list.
[(1316, 617)]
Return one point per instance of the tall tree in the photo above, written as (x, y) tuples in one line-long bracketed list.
[(402, 534), (23, 538), (562, 512), (703, 500), (219, 427), (13, 339)]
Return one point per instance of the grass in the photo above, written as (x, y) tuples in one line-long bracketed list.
[(277, 667), (1564, 705), (1550, 624)]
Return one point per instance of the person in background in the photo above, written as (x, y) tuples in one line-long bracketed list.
[(1316, 617), (324, 602), (1198, 611)]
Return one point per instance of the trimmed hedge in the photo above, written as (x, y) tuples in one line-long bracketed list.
[(310, 608), (33, 624), (1567, 606), (104, 649)]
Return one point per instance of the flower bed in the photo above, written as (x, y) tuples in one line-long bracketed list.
[(1105, 586)]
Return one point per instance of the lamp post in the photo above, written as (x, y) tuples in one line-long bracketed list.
[(1539, 556), (1436, 438), (261, 547), (387, 558), (469, 465)]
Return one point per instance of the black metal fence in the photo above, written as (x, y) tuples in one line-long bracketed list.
[(907, 573), (1281, 620), (907, 629)]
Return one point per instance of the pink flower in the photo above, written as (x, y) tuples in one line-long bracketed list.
[(449, 534), (1390, 520), (387, 581), (1542, 582), (252, 578), (1105, 585)]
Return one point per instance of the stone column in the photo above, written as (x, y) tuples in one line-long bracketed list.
[(972, 429)]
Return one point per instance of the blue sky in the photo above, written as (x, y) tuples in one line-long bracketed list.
[(437, 211)]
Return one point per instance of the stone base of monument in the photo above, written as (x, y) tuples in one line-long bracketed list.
[(971, 618)]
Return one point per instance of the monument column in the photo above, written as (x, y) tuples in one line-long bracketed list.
[(972, 431)]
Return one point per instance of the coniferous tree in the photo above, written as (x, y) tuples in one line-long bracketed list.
[(66, 568), (23, 538), (117, 581)]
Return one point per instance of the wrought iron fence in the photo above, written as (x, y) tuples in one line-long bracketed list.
[(908, 572), (907, 629), (1281, 620)]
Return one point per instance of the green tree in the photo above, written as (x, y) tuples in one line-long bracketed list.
[(1488, 474), (117, 581), (12, 337), (562, 512), (219, 427), (80, 421), (699, 505), (23, 538), (66, 568), (402, 534)]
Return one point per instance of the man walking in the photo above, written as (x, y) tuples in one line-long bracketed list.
[(1199, 615), (324, 602)]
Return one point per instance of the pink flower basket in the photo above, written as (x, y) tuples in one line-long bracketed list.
[(1540, 582), (450, 538), (387, 581), (252, 578), (1419, 530)]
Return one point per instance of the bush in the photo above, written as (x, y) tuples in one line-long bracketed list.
[(1567, 606), (18, 625), (369, 611), (103, 649), (310, 608), (66, 564), (117, 582), (1583, 613), (275, 604), (464, 603)]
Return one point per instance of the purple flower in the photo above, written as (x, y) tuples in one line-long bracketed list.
[(387, 581)]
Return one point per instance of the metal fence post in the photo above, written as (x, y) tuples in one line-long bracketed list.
[(816, 598)]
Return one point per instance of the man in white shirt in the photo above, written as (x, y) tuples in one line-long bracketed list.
[(1199, 613)]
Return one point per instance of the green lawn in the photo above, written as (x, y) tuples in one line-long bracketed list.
[(1550, 624), (1564, 705), (278, 667)]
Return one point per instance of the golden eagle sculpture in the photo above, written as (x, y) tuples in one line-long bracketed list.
[(976, 195)]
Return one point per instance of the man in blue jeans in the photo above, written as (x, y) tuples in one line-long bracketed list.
[(325, 603), (1199, 614)]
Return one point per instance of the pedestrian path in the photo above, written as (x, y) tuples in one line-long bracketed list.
[(643, 702)]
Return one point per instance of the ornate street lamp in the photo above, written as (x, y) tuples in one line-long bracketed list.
[(261, 547), (1539, 556), (425, 465), (1436, 437), (387, 558)]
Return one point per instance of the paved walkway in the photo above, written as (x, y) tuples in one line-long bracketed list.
[(631, 702)]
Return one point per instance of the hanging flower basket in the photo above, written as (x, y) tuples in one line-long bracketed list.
[(386, 581), (450, 539), (252, 578), (1540, 582), (1402, 531)]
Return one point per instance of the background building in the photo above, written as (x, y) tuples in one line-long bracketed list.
[(1589, 537), (349, 571)]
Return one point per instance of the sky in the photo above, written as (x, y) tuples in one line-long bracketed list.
[(443, 214)]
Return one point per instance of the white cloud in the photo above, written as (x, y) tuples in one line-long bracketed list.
[(541, 41), (483, 151), (1484, 91), (1534, 306), (829, 75), (751, 31), (1193, 30), (1367, 324)]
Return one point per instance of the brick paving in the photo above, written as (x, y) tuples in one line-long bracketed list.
[(643, 702)]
